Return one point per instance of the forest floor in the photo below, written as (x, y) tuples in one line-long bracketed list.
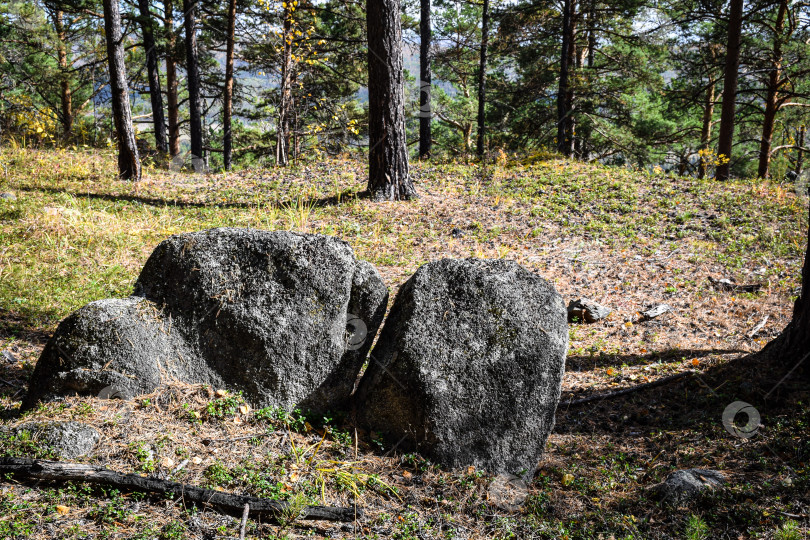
[(627, 239)]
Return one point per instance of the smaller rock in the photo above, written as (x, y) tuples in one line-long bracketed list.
[(586, 310), (507, 492), (8, 196), (655, 311), (681, 486), (727, 285), (68, 439)]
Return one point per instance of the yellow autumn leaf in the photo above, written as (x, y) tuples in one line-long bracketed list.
[(567, 479), (63, 510), (244, 409)]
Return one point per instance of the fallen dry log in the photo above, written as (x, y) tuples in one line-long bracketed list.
[(227, 503)]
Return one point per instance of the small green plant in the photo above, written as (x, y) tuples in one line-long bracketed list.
[(218, 475), (145, 457), (342, 438), (83, 409), (112, 511), (292, 510), (294, 421), (225, 406), (190, 414), (696, 528), (788, 531), (173, 531), (24, 444)]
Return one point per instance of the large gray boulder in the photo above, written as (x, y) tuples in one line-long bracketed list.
[(261, 312), (468, 366)]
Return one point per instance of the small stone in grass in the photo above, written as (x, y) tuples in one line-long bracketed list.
[(680, 486), (655, 311), (8, 196), (584, 310), (68, 440)]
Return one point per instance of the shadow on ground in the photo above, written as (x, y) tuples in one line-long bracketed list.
[(596, 361), (765, 379), (343, 197)]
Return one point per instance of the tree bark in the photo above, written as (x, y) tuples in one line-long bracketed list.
[(482, 79), (227, 503), (153, 72), (800, 153), (424, 80), (706, 130), (193, 79), (730, 76), (794, 341), (388, 177), (227, 106), (66, 96), (129, 164), (771, 107), (564, 139), (171, 80), (590, 60), (285, 106), (575, 64)]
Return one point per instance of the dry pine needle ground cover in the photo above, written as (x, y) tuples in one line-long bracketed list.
[(627, 239)]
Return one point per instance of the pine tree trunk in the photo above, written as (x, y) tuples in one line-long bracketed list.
[(66, 96), (706, 130), (172, 106), (388, 177), (800, 153), (425, 80), (129, 165), (771, 106), (590, 59), (563, 112), (284, 108), (153, 72), (730, 76), (794, 342), (227, 106), (482, 80), (193, 78), (573, 62)]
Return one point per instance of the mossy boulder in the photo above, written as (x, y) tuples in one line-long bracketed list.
[(469, 365)]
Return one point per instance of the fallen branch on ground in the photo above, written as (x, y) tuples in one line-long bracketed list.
[(226, 503), (624, 391)]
